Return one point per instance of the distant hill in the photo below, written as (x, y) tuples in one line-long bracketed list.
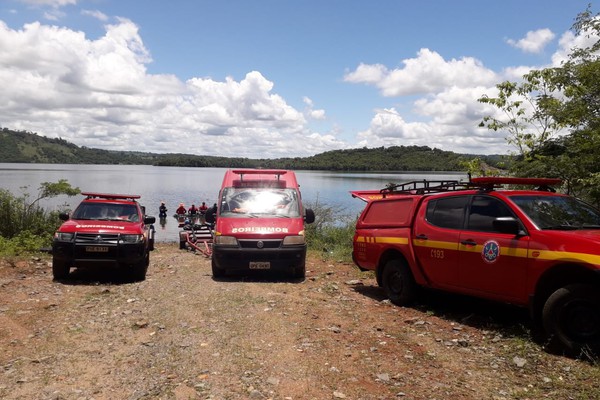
[(28, 147)]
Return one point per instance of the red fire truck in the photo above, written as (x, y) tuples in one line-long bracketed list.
[(259, 223), (534, 248)]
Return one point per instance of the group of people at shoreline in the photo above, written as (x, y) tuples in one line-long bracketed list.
[(182, 210)]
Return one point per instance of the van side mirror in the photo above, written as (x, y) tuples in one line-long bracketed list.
[(309, 216), (149, 220), (508, 225), (63, 216)]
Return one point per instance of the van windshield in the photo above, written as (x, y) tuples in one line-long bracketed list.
[(253, 202)]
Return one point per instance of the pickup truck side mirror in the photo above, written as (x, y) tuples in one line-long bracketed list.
[(149, 220), (309, 216), (508, 225)]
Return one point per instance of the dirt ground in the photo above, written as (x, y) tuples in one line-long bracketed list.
[(180, 334)]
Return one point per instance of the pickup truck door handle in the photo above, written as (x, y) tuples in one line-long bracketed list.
[(469, 242), (421, 237)]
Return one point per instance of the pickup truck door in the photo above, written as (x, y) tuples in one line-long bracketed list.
[(435, 238), (491, 262)]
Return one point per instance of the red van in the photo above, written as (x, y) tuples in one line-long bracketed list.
[(259, 223)]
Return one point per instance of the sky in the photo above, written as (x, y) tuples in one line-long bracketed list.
[(271, 78)]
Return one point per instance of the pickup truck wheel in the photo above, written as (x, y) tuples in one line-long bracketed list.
[(300, 272), (216, 271), (398, 282), (60, 270), (571, 319), (138, 271)]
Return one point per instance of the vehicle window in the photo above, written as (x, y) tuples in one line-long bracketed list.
[(447, 212), (271, 202), (483, 211), (106, 211), (558, 212)]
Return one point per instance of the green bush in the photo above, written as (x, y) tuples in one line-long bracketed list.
[(332, 232), (27, 227)]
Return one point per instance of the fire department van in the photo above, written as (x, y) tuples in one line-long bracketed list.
[(105, 230), (259, 223), (534, 248)]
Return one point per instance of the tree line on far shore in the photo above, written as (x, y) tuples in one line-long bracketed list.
[(28, 147)]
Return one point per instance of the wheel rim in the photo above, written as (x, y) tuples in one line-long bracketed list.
[(580, 320), (395, 284)]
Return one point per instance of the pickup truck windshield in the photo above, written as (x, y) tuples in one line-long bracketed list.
[(253, 202), (106, 212), (558, 212)]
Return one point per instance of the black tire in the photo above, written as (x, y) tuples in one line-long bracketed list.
[(182, 245), (398, 282), (60, 270), (571, 319), (139, 270), (216, 271), (299, 272)]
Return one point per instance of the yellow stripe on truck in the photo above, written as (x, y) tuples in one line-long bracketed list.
[(504, 251)]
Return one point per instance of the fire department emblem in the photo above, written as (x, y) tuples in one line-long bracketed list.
[(491, 251)]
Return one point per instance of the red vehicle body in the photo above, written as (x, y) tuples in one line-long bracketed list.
[(105, 230), (259, 223), (532, 248)]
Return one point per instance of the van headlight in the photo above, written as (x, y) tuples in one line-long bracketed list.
[(132, 238), (294, 240), (63, 236), (226, 240)]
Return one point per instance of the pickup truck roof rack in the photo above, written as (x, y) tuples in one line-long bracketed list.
[(486, 183), (110, 196)]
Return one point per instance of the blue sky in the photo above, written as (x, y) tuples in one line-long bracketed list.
[(274, 78)]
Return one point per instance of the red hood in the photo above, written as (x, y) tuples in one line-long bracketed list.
[(264, 227), (87, 226)]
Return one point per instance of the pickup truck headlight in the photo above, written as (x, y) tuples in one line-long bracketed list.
[(294, 240), (63, 236), (132, 238), (226, 240)]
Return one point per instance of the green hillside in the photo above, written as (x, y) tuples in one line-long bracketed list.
[(27, 147)]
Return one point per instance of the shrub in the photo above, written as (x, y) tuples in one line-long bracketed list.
[(332, 232)]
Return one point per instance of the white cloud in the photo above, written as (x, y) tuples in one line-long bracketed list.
[(100, 16), (51, 3), (534, 41), (426, 73), (98, 93), (310, 112)]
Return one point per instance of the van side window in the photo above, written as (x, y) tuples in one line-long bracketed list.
[(483, 211), (448, 212)]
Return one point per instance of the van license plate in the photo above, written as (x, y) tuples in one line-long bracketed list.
[(96, 249), (260, 265)]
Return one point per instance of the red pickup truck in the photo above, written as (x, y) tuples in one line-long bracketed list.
[(105, 230), (534, 248)]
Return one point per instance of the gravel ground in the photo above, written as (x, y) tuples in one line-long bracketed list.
[(180, 334)]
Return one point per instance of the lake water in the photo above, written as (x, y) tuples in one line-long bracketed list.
[(175, 185)]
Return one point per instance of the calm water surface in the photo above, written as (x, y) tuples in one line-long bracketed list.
[(175, 185)]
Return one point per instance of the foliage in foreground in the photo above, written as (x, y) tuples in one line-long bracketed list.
[(26, 226), (332, 232)]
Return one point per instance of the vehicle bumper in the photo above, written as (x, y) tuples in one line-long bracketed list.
[(243, 259), (75, 255)]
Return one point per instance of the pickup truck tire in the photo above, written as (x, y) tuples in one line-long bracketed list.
[(138, 271), (571, 319), (398, 282), (299, 272), (60, 270), (216, 271)]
